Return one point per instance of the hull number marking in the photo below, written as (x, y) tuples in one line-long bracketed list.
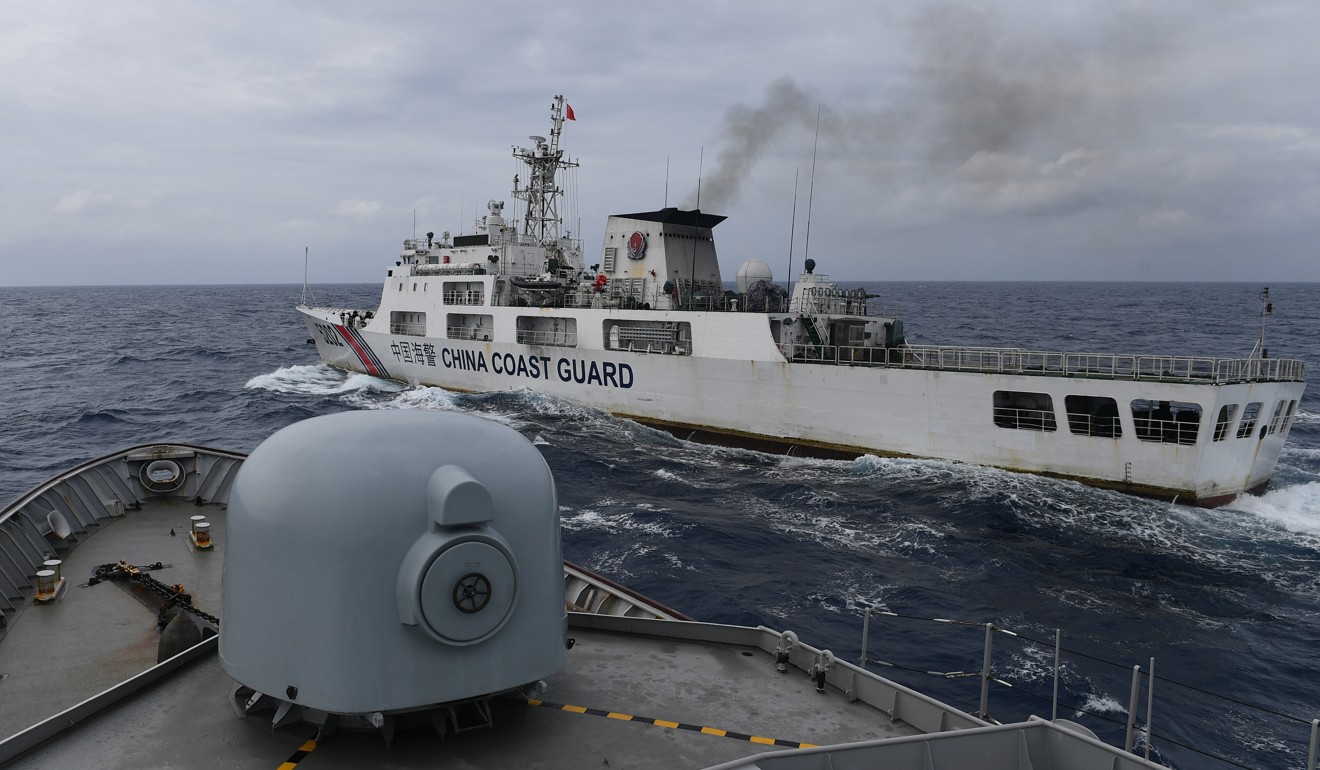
[(329, 334)]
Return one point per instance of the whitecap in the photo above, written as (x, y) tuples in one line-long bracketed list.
[(319, 380), (1097, 703), (408, 398), (591, 519), (1295, 508)]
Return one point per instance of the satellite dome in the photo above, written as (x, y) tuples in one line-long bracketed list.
[(750, 272)]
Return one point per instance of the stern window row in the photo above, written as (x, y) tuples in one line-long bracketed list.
[(1168, 422)]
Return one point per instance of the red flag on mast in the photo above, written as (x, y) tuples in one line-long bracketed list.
[(568, 112)]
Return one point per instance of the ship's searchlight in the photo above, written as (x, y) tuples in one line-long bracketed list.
[(382, 565)]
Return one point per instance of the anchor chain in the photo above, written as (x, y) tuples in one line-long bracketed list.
[(174, 595)]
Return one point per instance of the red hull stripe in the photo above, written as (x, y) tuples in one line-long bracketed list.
[(363, 351)]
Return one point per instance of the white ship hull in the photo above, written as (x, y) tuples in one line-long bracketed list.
[(761, 396), (650, 333)]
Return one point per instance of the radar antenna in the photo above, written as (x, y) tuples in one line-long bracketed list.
[(541, 194)]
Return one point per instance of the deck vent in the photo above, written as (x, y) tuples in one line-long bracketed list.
[(388, 563)]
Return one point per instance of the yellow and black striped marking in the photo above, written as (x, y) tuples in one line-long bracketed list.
[(298, 756), (671, 725)]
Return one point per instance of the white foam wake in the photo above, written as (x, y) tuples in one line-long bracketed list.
[(1296, 508), (318, 380), (420, 397)]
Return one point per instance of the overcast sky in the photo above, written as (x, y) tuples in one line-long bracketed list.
[(187, 142)]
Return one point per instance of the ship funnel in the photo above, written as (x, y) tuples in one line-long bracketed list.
[(386, 565)]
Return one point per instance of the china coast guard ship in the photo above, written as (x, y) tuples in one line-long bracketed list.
[(648, 331)]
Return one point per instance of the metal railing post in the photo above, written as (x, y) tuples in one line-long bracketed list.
[(866, 633), (1315, 738), (1132, 707), (985, 672), (1150, 705), (1054, 713)]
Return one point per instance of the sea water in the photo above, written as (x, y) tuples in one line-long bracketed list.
[(1227, 600)]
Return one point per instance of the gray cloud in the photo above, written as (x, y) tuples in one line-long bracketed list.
[(1091, 140)]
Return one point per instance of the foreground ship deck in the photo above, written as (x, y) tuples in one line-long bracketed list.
[(649, 332), (639, 689)]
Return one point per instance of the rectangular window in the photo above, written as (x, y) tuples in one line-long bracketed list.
[(1249, 415), (1024, 411), (463, 293), (1093, 416), (1170, 422), (412, 324), (1278, 416), (1288, 418), (547, 330), (1226, 414), (469, 326)]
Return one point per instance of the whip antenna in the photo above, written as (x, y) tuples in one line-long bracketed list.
[(667, 181), (811, 192), (1266, 310), (302, 300), (701, 165), (792, 229)]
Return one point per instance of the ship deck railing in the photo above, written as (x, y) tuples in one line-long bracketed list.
[(1192, 369), (563, 339), (408, 329), (635, 297)]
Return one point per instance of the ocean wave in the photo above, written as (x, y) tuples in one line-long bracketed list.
[(1032, 663), (319, 380), (420, 397), (1100, 703), (545, 405), (102, 416), (874, 535), (616, 523), (1294, 508), (618, 562), (852, 597)]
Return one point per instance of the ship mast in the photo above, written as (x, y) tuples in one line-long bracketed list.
[(1266, 310), (541, 193)]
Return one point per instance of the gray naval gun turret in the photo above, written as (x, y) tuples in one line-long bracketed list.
[(382, 564)]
